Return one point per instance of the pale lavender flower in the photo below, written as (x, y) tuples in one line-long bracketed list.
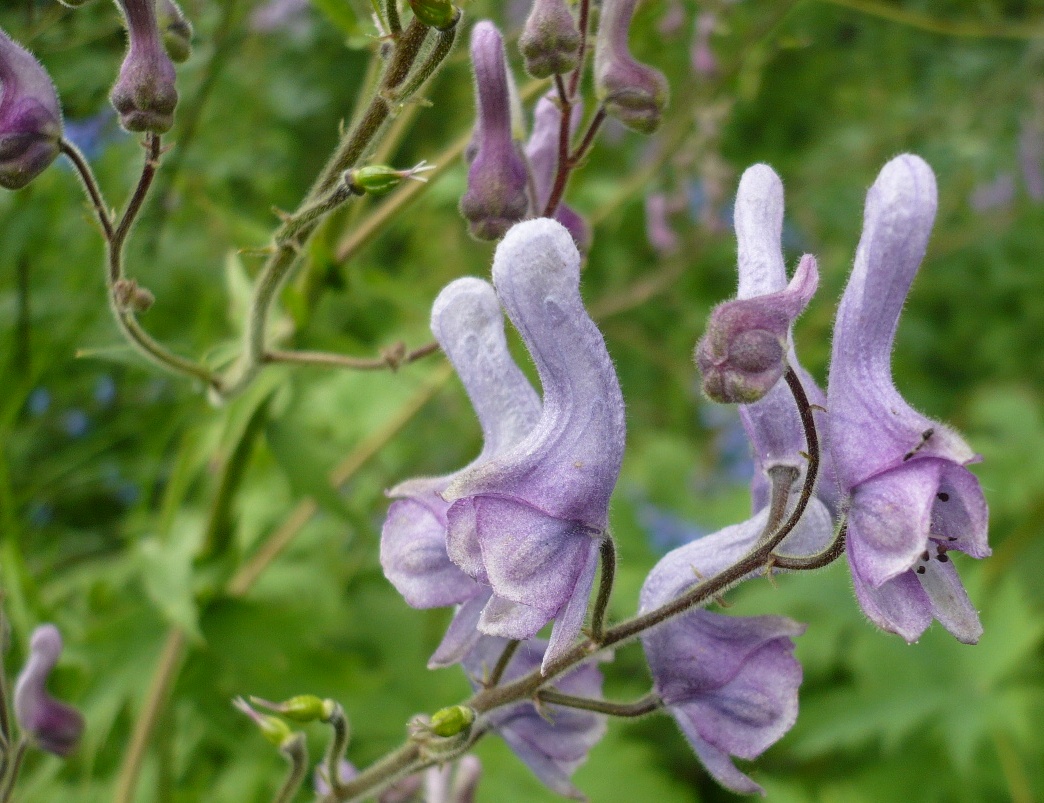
[(496, 195), (277, 15), (530, 521), (911, 499), (144, 94), (542, 155), (1031, 158), (30, 117), (53, 726), (995, 194), (633, 93), (657, 228), (553, 741), (469, 326), (731, 683), (673, 18)]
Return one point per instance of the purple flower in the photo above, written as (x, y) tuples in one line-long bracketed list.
[(144, 94), (633, 93), (30, 117), (496, 196), (542, 155), (773, 423), (702, 55), (658, 229), (552, 740), (53, 725), (530, 520), (911, 499), (730, 683), (467, 322)]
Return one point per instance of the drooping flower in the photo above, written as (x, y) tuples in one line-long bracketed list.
[(469, 326), (30, 117), (634, 93), (496, 195), (552, 741), (542, 155), (530, 520), (911, 500), (144, 93), (53, 725), (730, 682)]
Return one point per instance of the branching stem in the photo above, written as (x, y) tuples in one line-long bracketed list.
[(639, 708)]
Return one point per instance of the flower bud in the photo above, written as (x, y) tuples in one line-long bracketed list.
[(30, 118), (496, 196), (175, 29), (53, 725), (550, 41), (380, 179), (302, 708), (144, 94), (451, 721), (633, 93), (439, 14), (742, 354), (272, 728)]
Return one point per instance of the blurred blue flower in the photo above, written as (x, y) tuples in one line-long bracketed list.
[(93, 134), (105, 390), (75, 423), (666, 531), (734, 463), (39, 401)]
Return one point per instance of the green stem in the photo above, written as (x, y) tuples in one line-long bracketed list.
[(296, 752), (638, 708), (13, 770), (338, 744), (819, 560), (605, 589), (394, 358), (502, 662)]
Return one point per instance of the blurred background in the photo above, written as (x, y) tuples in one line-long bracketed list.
[(132, 511)]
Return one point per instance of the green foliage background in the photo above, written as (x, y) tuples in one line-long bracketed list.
[(109, 471)]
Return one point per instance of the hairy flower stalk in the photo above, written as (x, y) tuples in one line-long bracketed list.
[(632, 92), (467, 322), (530, 521), (52, 725), (911, 500), (30, 117), (144, 94), (496, 195)]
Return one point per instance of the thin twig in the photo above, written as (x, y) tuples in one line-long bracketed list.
[(638, 708), (605, 589), (502, 662), (90, 185), (393, 358), (581, 55)]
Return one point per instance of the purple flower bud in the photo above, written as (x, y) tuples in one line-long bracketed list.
[(911, 499), (542, 155), (742, 354), (550, 41), (53, 725), (176, 30), (553, 741), (633, 93), (731, 683), (144, 94), (496, 195), (530, 520), (30, 117)]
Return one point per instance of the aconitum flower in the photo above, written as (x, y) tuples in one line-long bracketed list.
[(731, 683), (530, 521), (469, 326), (550, 41), (144, 94), (542, 155), (633, 93), (30, 117), (496, 195), (553, 741), (53, 725), (911, 499)]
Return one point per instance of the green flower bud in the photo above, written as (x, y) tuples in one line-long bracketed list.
[(451, 721), (302, 708), (440, 14), (272, 728), (380, 179)]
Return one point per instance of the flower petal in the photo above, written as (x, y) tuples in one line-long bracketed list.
[(889, 519), (949, 600), (898, 605), (511, 620), (960, 515), (568, 464), (872, 427), (718, 762), (758, 219), (462, 633), (570, 619)]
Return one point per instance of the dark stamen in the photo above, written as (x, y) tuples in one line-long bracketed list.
[(920, 569), (943, 558), (943, 496)]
